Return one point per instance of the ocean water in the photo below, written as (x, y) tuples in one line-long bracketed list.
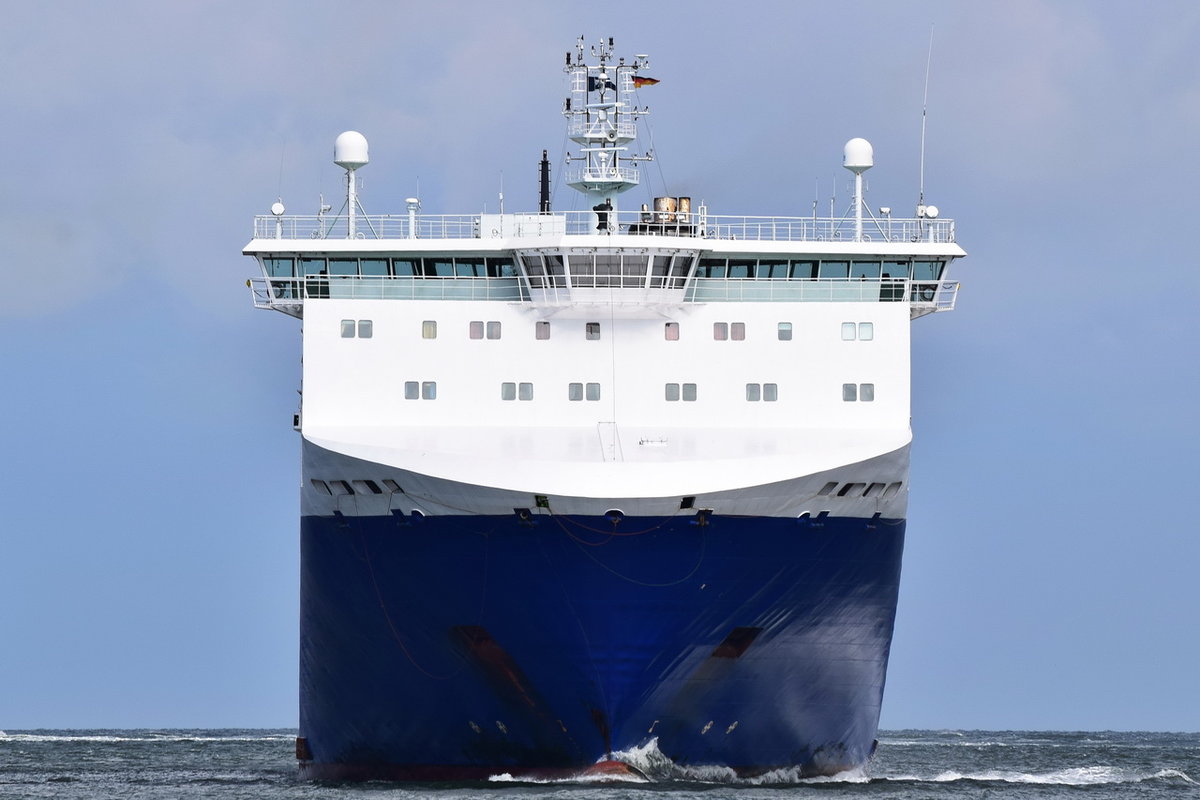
[(908, 765)]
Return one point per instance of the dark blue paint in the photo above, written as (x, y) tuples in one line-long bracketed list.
[(464, 645)]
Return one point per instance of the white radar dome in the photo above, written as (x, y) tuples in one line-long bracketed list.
[(859, 156), (350, 150)]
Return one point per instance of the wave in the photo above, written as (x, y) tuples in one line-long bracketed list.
[(1075, 776), (151, 738)]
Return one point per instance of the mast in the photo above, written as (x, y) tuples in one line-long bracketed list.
[(603, 122)]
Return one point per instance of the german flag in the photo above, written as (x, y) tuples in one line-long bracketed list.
[(639, 81)]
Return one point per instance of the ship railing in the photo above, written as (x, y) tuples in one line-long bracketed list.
[(925, 296), (696, 225), (288, 294)]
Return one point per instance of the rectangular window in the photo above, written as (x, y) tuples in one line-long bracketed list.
[(508, 391), (753, 392), (866, 392), (429, 390), (865, 269), (524, 391), (804, 269), (406, 267), (672, 391), (346, 267), (849, 331), (834, 269), (591, 330), (476, 329), (347, 329), (366, 329), (429, 329), (689, 391), (785, 331), (671, 331), (737, 331), (373, 267), (770, 392), (926, 270), (575, 391), (850, 392), (593, 391), (866, 331), (720, 331), (412, 390), (493, 330), (542, 329), (280, 267)]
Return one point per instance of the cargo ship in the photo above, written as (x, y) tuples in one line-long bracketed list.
[(580, 482)]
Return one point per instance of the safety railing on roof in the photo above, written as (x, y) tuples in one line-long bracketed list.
[(697, 225)]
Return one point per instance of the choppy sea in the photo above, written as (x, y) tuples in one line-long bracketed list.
[(68, 764)]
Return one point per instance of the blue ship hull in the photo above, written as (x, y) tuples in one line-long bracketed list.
[(458, 647)]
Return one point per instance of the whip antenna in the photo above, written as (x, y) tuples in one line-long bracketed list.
[(924, 108)]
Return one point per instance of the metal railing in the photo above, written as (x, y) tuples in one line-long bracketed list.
[(697, 225), (289, 294)]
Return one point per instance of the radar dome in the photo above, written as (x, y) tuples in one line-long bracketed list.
[(859, 156), (350, 150)]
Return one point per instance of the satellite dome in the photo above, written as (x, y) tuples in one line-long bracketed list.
[(859, 156), (350, 150)]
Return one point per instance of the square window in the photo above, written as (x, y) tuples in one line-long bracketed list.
[(866, 331), (412, 390), (508, 391), (347, 329), (429, 390), (770, 392), (591, 330), (542, 330), (785, 331), (493, 330), (849, 331), (866, 392), (720, 331), (850, 392), (671, 331), (366, 329), (689, 391), (575, 391), (429, 329), (525, 391), (753, 392), (672, 391), (593, 391), (476, 329), (737, 331)]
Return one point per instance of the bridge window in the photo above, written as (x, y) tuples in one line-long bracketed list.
[(785, 331), (469, 267), (373, 267), (834, 269), (741, 267), (895, 269), (772, 268), (406, 267), (313, 266), (804, 269), (280, 267), (439, 267), (344, 267), (865, 269), (926, 270)]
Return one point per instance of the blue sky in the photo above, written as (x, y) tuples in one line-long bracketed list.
[(148, 553)]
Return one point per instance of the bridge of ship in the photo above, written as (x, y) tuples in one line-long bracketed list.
[(635, 259)]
